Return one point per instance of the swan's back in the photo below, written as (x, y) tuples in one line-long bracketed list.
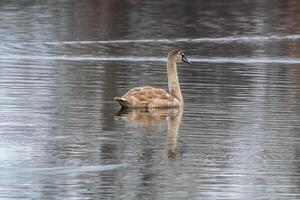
[(147, 96)]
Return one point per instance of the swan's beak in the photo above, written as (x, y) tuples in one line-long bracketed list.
[(184, 59)]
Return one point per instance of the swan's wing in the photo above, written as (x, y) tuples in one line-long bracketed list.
[(150, 97), (144, 93)]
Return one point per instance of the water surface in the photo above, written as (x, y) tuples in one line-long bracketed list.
[(63, 62)]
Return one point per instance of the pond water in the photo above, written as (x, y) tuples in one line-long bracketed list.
[(63, 62)]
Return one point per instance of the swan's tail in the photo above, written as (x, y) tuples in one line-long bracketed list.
[(124, 103)]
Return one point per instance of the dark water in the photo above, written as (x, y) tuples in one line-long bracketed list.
[(62, 62)]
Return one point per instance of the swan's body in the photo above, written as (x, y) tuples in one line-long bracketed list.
[(142, 97), (150, 97)]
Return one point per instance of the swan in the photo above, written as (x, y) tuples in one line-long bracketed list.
[(150, 97)]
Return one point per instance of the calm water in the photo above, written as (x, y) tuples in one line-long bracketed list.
[(62, 63)]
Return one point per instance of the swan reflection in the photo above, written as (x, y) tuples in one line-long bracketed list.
[(154, 116)]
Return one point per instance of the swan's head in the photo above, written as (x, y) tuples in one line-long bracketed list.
[(178, 56)]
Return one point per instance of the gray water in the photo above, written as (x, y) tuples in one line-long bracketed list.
[(63, 62)]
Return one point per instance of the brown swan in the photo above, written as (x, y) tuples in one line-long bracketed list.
[(150, 97)]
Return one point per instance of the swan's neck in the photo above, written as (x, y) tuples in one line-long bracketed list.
[(174, 88)]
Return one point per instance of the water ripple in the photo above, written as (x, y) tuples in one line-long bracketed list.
[(239, 60), (243, 39), (58, 170)]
